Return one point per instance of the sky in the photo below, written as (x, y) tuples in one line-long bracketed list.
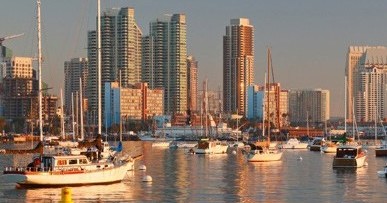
[(309, 39)]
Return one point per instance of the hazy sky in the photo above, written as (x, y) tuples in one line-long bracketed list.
[(309, 38)]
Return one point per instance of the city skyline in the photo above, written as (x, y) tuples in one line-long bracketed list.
[(308, 48)]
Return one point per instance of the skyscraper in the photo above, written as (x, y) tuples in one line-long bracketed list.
[(366, 70), (192, 70), (165, 60), (121, 50), (73, 70), (238, 64)]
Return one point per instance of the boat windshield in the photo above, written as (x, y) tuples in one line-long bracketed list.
[(346, 153), (203, 145)]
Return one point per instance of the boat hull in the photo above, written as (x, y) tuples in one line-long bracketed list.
[(315, 148), (264, 156), (31, 179), (328, 149), (349, 162), (381, 151), (219, 149), (295, 146)]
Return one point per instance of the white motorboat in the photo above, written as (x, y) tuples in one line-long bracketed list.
[(383, 173), (294, 143), (315, 144), (71, 170), (161, 144), (349, 156), (206, 146)]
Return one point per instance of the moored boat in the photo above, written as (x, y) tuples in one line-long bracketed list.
[(315, 144), (381, 150), (70, 170), (329, 147), (294, 143), (383, 173), (260, 154), (349, 156), (207, 146)]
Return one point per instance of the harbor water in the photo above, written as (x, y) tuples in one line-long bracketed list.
[(178, 176)]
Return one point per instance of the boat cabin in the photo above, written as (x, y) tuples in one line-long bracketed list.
[(348, 152)]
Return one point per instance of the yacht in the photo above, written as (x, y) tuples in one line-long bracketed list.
[(69, 170), (349, 156), (294, 143)]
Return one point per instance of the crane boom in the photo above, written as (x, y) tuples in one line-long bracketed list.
[(9, 37)]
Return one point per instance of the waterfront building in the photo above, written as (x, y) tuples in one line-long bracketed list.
[(120, 51), (278, 104), (74, 69), (164, 63), (238, 64), (309, 104), (20, 88), (135, 102), (192, 70), (355, 64)]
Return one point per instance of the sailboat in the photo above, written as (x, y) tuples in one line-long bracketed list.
[(265, 153), (207, 145)]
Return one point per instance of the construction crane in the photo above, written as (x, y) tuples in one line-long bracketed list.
[(2, 39)]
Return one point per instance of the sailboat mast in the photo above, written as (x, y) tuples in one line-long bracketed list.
[(120, 111), (72, 114), (40, 72), (345, 104), (61, 116), (81, 107), (263, 109), (205, 107), (268, 93), (99, 65)]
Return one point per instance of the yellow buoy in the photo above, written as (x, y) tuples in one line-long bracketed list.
[(66, 195)]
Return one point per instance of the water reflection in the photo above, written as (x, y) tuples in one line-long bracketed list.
[(100, 193), (182, 177)]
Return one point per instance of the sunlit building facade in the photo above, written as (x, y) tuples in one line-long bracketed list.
[(238, 64)]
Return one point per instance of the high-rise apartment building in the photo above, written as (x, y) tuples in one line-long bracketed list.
[(164, 63), (120, 51), (365, 70), (238, 64), (192, 70), (312, 105), (74, 69)]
